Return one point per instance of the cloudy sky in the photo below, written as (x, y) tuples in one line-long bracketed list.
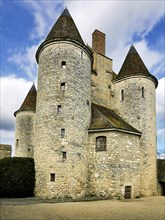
[(26, 23)]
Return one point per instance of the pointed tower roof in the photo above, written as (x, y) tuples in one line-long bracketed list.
[(29, 104), (63, 30), (133, 66)]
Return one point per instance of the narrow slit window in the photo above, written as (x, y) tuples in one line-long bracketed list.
[(142, 92), (59, 108), (101, 143), (82, 54), (63, 64), (62, 87), (62, 132), (17, 142), (52, 177), (63, 155), (122, 95)]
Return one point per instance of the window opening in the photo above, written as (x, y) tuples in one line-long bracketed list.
[(58, 108), (122, 95), (63, 64), (17, 142), (63, 155), (101, 143), (82, 54), (62, 87), (142, 92), (52, 177), (62, 132)]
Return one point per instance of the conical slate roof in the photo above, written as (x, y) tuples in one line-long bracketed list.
[(104, 118), (133, 65), (65, 28), (29, 104)]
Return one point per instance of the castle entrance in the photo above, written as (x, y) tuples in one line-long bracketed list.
[(128, 192)]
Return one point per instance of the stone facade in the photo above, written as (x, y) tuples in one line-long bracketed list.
[(25, 133), (93, 132), (5, 150)]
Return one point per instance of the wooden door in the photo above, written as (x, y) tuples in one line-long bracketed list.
[(128, 192)]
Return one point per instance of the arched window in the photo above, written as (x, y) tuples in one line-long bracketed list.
[(101, 143), (122, 95), (142, 92)]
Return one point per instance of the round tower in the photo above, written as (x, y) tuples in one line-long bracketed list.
[(135, 101), (63, 111), (25, 126)]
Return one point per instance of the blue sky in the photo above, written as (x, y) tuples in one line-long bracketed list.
[(26, 23)]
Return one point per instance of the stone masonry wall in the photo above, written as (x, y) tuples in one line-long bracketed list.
[(24, 134), (101, 83), (140, 112), (68, 174), (119, 166), (5, 150)]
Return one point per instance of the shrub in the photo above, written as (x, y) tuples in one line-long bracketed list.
[(17, 177)]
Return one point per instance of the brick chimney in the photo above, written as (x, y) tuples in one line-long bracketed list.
[(98, 42)]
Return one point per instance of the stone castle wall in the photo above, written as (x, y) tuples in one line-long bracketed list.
[(139, 110), (5, 150), (102, 80), (119, 166), (24, 134), (63, 102)]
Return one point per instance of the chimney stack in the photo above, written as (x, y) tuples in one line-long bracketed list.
[(98, 42)]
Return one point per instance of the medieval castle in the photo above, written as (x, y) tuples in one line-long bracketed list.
[(89, 130)]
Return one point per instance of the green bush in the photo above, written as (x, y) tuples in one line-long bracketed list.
[(17, 177)]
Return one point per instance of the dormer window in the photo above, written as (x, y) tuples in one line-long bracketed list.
[(63, 64)]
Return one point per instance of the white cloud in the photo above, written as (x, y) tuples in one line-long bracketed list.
[(13, 93), (25, 60)]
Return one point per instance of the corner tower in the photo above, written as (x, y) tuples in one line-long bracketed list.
[(135, 101), (25, 125), (63, 111)]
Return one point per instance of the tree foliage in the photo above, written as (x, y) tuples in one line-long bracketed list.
[(17, 177)]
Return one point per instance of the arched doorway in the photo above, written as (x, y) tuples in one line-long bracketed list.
[(128, 192)]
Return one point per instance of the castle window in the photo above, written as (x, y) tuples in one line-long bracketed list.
[(52, 177), (62, 132), (63, 64), (122, 95), (101, 143), (62, 87), (82, 54), (142, 92), (63, 155), (58, 108), (17, 142)]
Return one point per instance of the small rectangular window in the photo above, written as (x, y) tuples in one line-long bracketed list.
[(100, 143), (62, 87), (62, 132), (58, 108), (63, 64), (52, 177), (63, 155)]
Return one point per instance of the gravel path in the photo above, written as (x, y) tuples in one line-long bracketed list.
[(151, 208)]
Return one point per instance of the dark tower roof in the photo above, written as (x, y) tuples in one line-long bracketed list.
[(29, 104), (133, 66), (63, 30)]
